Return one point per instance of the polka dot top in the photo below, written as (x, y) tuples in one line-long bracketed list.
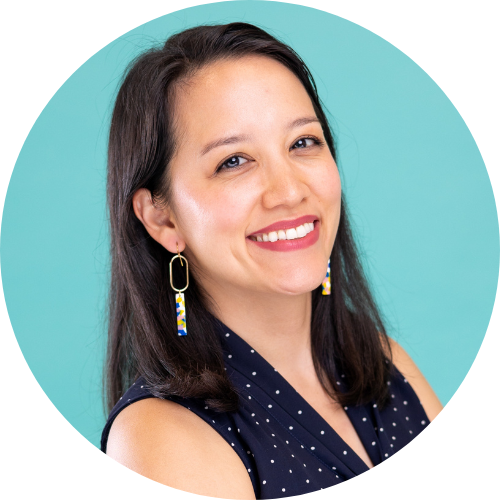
[(286, 446)]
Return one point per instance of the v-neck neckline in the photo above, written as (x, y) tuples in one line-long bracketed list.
[(244, 359)]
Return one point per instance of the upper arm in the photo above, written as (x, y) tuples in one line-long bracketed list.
[(410, 371), (168, 443)]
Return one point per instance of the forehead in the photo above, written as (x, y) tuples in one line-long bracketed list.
[(249, 92)]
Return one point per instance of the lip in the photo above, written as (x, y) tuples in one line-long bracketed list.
[(286, 224), (289, 245)]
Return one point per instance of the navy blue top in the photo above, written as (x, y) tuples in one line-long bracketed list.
[(286, 446)]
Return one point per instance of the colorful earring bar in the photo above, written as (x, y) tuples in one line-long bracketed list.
[(326, 285), (180, 308)]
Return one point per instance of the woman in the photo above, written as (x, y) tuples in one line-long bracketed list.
[(273, 383)]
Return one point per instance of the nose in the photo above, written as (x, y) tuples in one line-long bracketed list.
[(285, 184)]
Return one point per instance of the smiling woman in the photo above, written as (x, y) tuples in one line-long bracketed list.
[(270, 384)]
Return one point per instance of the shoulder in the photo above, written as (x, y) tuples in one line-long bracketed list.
[(168, 443), (422, 388)]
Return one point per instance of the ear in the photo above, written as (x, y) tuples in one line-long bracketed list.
[(158, 221)]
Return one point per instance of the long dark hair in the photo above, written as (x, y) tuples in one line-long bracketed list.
[(347, 333)]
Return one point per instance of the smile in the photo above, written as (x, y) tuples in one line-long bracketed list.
[(293, 233), (286, 236)]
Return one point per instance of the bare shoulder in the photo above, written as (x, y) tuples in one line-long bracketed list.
[(170, 444), (410, 371)]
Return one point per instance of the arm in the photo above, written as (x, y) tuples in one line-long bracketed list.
[(168, 443), (410, 371)]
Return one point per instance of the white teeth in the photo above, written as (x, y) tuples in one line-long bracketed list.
[(288, 234)]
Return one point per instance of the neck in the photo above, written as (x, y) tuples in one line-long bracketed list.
[(277, 326)]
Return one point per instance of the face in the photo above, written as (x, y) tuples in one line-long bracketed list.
[(252, 164)]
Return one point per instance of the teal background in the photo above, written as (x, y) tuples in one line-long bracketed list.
[(419, 195)]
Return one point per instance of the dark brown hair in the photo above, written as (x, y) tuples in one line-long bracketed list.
[(347, 333)]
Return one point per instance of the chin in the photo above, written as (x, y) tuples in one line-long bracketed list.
[(301, 283)]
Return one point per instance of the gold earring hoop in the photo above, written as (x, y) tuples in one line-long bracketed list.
[(180, 303), (178, 254)]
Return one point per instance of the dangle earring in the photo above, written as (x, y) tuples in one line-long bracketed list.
[(180, 304), (326, 285)]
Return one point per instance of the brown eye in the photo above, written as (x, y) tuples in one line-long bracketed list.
[(232, 163), (302, 143), (306, 142)]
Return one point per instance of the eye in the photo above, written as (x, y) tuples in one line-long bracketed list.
[(306, 142), (232, 163)]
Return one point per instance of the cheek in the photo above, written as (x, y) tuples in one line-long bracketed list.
[(328, 188), (211, 218)]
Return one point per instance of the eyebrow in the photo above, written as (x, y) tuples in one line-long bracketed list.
[(240, 138)]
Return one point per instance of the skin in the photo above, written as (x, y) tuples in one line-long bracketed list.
[(274, 173)]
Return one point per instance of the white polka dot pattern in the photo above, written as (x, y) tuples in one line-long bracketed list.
[(277, 429)]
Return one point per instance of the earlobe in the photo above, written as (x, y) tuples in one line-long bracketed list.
[(158, 221)]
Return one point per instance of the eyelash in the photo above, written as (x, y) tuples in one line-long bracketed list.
[(316, 140)]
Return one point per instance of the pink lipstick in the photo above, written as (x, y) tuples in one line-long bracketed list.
[(287, 235)]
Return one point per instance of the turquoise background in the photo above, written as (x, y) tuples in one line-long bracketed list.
[(421, 203)]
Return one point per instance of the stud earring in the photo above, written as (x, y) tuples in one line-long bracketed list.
[(326, 285), (180, 304)]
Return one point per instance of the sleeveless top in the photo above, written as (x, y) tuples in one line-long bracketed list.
[(286, 446)]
